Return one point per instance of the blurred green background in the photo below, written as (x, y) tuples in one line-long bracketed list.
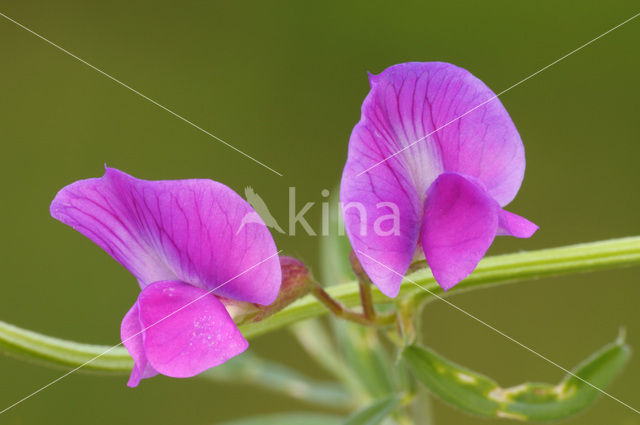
[(284, 82)]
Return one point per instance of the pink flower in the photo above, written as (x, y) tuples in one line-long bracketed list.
[(446, 192), (180, 239)]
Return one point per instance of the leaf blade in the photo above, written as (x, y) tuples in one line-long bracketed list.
[(599, 369), (64, 353), (375, 413), (253, 370), (480, 395), (365, 357), (116, 360), (438, 375)]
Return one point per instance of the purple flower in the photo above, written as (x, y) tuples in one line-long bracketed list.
[(180, 239), (445, 192)]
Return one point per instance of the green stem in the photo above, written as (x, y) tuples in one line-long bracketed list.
[(339, 310), (366, 299), (491, 271), (29, 345), (364, 284), (407, 316)]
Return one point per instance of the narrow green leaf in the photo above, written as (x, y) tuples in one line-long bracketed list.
[(572, 394), (246, 368), (55, 351), (288, 419), (454, 384), (252, 370), (480, 395), (366, 357), (374, 413), (314, 338)]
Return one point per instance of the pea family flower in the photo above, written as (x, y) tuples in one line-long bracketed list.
[(180, 239), (446, 192)]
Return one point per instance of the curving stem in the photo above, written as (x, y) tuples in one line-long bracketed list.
[(364, 284), (339, 310)]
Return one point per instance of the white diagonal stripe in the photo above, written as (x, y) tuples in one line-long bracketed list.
[(114, 79), (58, 379), (501, 93)]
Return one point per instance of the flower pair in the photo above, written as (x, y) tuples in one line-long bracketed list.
[(446, 178)]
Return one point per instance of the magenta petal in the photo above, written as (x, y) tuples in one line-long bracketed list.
[(187, 230), (187, 330), (384, 246), (511, 224), (133, 340), (473, 133), (459, 224), (469, 131), (418, 121)]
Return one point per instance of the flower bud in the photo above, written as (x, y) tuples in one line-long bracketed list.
[(295, 284)]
